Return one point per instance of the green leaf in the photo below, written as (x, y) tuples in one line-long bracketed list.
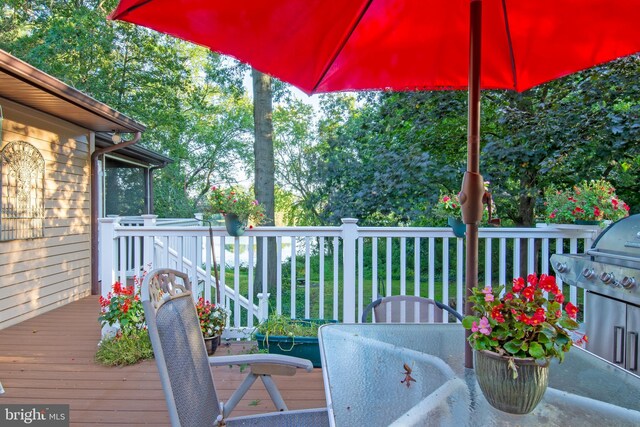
[(568, 323), (467, 322), (536, 350), (512, 346)]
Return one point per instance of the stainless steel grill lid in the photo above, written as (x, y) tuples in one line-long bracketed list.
[(611, 266)]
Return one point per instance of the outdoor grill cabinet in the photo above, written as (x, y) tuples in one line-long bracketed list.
[(614, 336)]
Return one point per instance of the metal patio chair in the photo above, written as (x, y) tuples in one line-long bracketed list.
[(407, 309), (184, 367)]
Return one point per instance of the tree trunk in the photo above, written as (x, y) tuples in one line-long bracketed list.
[(526, 218), (264, 172)]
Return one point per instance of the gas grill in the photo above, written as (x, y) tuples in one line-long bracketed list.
[(610, 272)]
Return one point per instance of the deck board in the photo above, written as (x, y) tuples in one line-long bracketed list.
[(49, 359)]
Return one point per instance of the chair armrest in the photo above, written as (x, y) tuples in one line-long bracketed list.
[(249, 359)]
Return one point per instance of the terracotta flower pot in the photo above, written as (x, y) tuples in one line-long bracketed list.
[(513, 395)]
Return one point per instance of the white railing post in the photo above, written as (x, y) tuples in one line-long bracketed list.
[(107, 253), (148, 248), (199, 248), (349, 237), (263, 306)]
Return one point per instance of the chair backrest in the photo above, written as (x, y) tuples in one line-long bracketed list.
[(407, 309), (179, 348)]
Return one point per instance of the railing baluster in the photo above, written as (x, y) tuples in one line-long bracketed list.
[(416, 266), (122, 278), (374, 269), (250, 292), (236, 282), (432, 267), (503, 263), (545, 256), (459, 276), (487, 262), (531, 256), (403, 266), (388, 271), (307, 278), (336, 278), (573, 291), (445, 274), (222, 266), (279, 275), (265, 277), (293, 277), (516, 257), (360, 278), (207, 243), (321, 278)]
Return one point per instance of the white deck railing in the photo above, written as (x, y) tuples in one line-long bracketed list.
[(331, 272)]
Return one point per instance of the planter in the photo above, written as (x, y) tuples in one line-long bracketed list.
[(234, 226), (458, 227), (211, 344), (586, 222), (303, 347), (515, 396)]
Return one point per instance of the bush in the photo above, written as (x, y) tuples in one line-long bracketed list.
[(122, 350)]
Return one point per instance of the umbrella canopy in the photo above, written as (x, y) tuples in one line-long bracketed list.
[(325, 46)]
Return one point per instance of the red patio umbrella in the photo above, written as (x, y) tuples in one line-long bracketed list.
[(328, 45)]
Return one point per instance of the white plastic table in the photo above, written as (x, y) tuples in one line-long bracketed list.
[(363, 366)]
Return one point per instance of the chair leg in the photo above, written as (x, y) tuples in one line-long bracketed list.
[(239, 393), (273, 391)]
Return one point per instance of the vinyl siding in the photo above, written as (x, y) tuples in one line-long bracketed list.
[(37, 275)]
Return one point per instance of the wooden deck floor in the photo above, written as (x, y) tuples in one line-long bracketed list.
[(49, 360)]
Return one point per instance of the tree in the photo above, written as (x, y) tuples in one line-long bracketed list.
[(264, 170)]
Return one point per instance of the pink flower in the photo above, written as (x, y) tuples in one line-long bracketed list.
[(488, 296), (483, 327)]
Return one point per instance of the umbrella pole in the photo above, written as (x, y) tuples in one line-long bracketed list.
[(472, 184)]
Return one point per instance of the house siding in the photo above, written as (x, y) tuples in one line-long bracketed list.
[(38, 275)]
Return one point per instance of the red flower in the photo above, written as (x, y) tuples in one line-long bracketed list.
[(596, 212), (496, 313), (571, 310), (532, 279), (508, 296), (559, 298), (528, 293), (518, 284), (548, 283)]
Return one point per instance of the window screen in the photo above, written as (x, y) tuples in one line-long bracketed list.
[(125, 193)]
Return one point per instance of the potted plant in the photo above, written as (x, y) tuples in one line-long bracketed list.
[(588, 202), (449, 208), (515, 336), (213, 319), (238, 208), (294, 337)]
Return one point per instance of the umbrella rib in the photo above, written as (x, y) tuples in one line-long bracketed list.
[(509, 42), (341, 46), (130, 9)]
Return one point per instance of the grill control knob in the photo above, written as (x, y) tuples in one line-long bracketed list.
[(561, 267), (588, 273), (608, 278), (628, 282)]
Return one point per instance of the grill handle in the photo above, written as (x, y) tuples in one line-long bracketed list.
[(596, 252), (618, 344), (632, 345)]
